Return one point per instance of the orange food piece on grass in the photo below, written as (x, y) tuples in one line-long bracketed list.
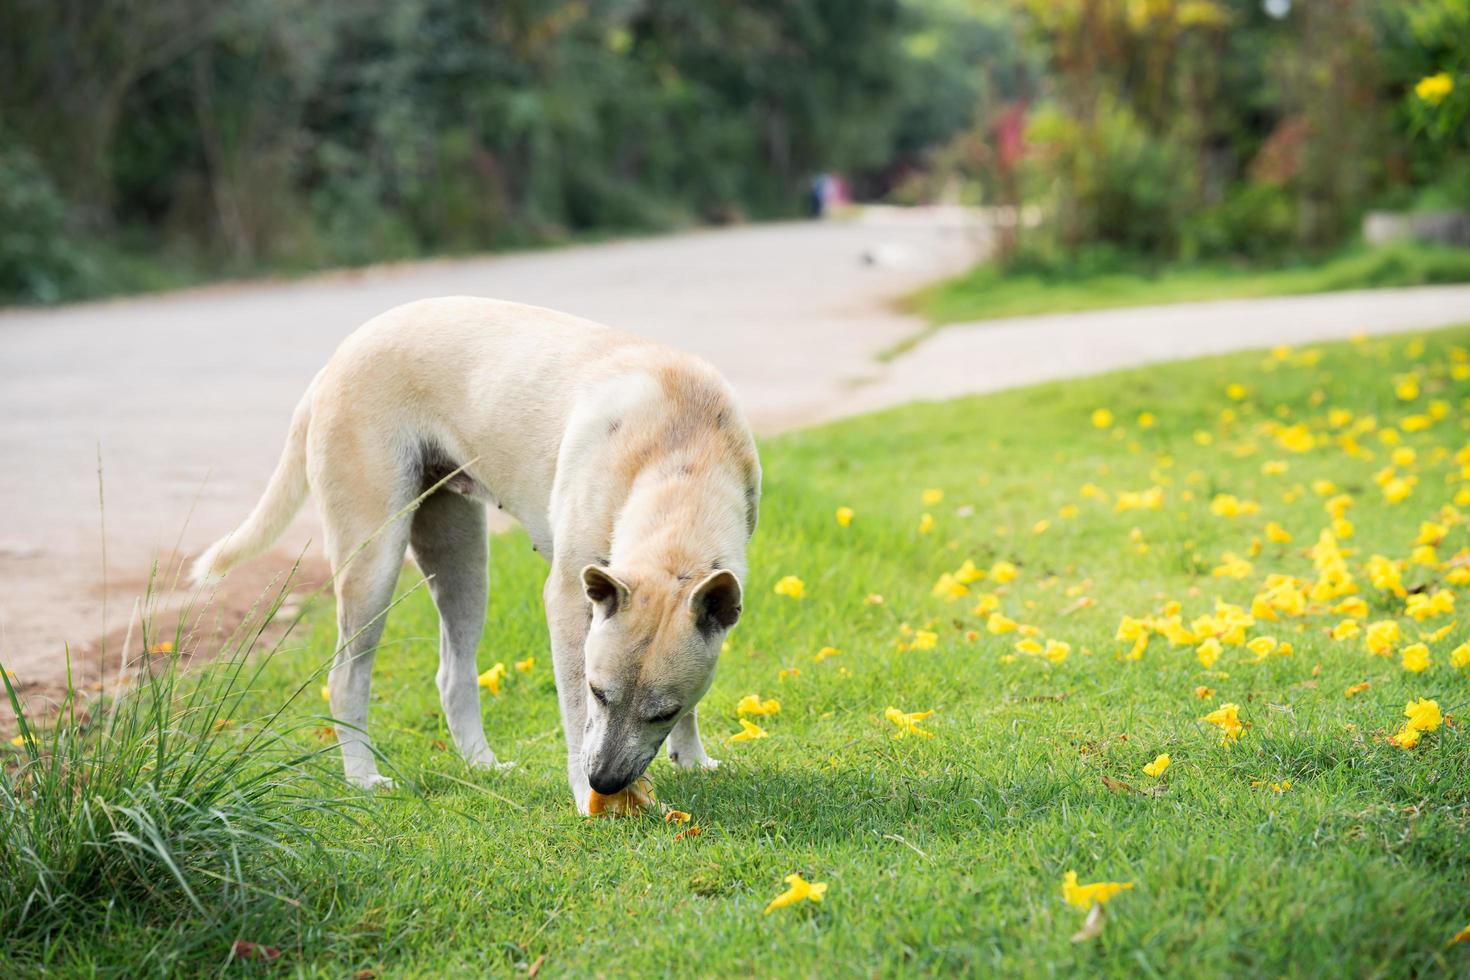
[(626, 802)]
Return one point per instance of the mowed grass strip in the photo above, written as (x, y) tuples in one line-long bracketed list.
[(947, 854), (988, 291)]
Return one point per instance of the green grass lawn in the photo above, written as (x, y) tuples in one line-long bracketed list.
[(946, 855), (988, 292)]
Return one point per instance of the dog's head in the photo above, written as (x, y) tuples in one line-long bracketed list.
[(651, 653)]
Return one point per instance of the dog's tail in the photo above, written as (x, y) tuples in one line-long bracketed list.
[(282, 499)]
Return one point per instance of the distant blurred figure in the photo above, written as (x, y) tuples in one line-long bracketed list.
[(828, 192)]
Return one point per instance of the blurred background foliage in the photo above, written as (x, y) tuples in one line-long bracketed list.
[(145, 143)]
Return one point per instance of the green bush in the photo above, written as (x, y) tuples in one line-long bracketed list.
[(40, 260), (1255, 221)]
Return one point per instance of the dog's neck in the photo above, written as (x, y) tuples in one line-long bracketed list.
[(684, 521)]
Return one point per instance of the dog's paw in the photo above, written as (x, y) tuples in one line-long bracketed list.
[(685, 761), (491, 765), (371, 781)]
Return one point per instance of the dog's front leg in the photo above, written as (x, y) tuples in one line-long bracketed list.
[(567, 617), (685, 749)]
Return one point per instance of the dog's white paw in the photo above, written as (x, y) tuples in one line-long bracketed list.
[(491, 765), (372, 781), (701, 761)]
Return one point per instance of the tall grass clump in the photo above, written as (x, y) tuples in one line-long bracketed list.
[(175, 799)]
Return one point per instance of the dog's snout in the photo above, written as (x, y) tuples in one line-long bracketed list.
[(610, 781)]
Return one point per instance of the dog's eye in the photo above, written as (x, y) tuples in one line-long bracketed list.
[(664, 718), (599, 694)]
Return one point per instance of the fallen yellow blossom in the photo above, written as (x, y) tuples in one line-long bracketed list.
[(908, 722), (1227, 719), (790, 585), (799, 889), (749, 732), (752, 704), (490, 679), (1157, 767), (1086, 896)]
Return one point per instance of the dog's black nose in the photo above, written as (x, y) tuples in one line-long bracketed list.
[(609, 782)]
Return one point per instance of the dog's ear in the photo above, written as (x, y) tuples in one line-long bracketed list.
[(715, 602), (604, 589)]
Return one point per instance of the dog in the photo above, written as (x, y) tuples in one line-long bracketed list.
[(630, 465)]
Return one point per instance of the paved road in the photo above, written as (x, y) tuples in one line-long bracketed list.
[(187, 396)]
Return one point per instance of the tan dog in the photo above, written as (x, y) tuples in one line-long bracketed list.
[(630, 465)]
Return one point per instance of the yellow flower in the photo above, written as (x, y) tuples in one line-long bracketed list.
[(1086, 896), (1227, 719), (1101, 418), (1460, 656), (931, 497), (491, 678), (949, 588), (18, 740), (1416, 658), (1381, 636), (1424, 716), (677, 816), (1203, 692), (1356, 689), (844, 516), (1208, 652), (1146, 420), (1296, 438), (749, 732), (1056, 651), (1423, 606), (872, 599), (1157, 767), (1276, 533), (967, 573), (1346, 630), (1262, 646), (326, 693), (907, 722), (924, 640), (826, 652), (800, 890), (1235, 391), (1002, 572), (926, 523), (525, 666), (999, 623), (752, 704), (1229, 505), (791, 586), (1434, 89), (1462, 936)]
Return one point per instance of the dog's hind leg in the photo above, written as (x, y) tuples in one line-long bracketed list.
[(366, 536), (450, 544)]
